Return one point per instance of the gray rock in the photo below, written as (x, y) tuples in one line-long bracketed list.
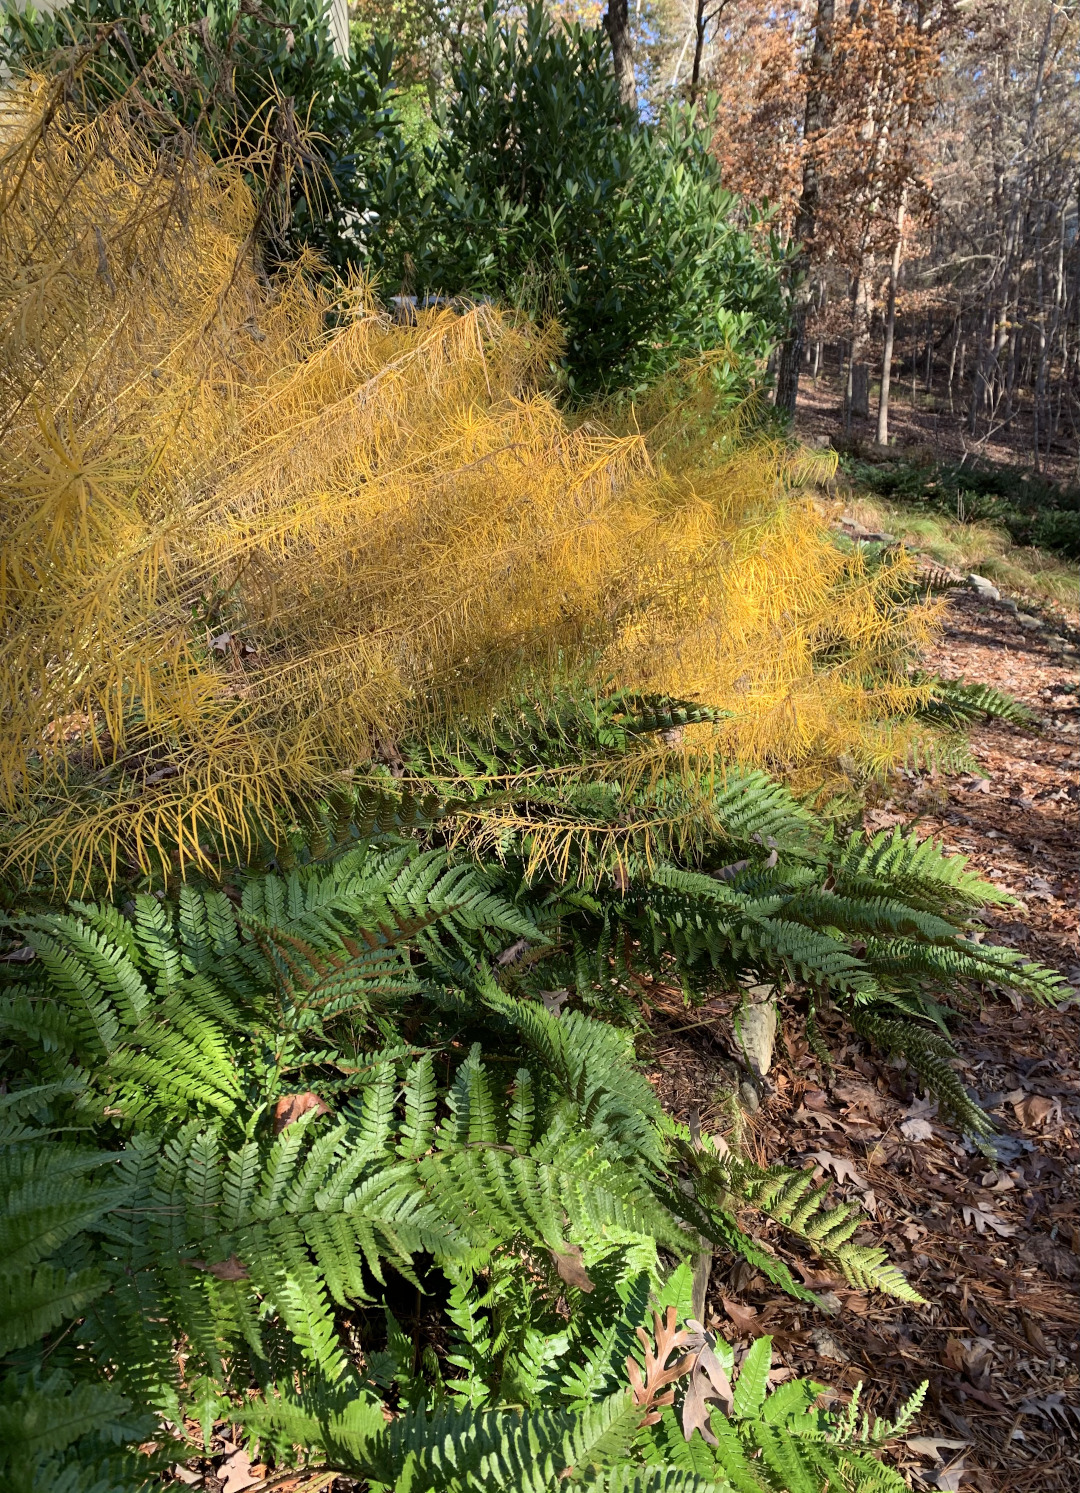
[(1008, 605), (984, 588), (748, 1097), (1028, 622)]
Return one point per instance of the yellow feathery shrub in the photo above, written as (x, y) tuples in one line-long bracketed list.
[(253, 530)]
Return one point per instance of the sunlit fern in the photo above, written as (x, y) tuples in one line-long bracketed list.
[(171, 1176)]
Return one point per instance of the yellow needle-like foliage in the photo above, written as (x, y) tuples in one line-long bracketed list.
[(253, 530)]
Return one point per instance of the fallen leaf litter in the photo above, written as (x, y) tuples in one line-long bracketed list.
[(992, 1243)]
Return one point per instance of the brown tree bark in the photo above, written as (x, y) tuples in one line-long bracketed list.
[(787, 380), (890, 329), (703, 19), (617, 26)]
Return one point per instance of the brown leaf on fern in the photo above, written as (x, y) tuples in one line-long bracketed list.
[(290, 1107), (230, 1269), (568, 1263), (709, 1384), (651, 1392)]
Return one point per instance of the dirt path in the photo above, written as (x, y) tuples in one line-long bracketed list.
[(994, 1246)]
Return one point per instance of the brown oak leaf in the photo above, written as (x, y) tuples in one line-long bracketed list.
[(1035, 1110), (290, 1107)]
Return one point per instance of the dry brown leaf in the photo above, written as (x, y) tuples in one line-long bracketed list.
[(855, 1301), (569, 1264), (930, 1446), (817, 1280), (290, 1107), (949, 1479), (230, 1269), (861, 1095), (823, 1122), (746, 1319), (708, 1384), (841, 1168), (658, 1373), (1035, 1111), (986, 1218), (235, 1472), (1034, 1334)]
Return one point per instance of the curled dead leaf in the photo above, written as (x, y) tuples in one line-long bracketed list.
[(554, 1000), (1034, 1334), (841, 1168), (745, 1318), (568, 1262), (986, 1218), (709, 1384), (290, 1107)]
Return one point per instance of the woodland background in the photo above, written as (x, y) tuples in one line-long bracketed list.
[(924, 157)]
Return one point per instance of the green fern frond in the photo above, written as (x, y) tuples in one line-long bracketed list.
[(894, 863), (931, 1056), (788, 1196), (952, 702)]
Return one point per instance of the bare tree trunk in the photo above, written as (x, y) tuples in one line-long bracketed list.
[(814, 119), (1040, 375), (890, 328), (617, 26), (700, 22), (952, 361), (860, 370)]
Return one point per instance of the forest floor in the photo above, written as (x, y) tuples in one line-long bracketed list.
[(927, 425), (992, 1242)]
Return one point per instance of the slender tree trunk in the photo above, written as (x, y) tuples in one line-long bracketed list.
[(699, 48), (617, 26), (814, 120), (1040, 375), (952, 361), (890, 329), (963, 362), (859, 382)]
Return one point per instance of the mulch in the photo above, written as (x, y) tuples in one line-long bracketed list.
[(992, 1244)]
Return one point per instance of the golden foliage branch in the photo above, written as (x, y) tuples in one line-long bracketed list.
[(254, 529)]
